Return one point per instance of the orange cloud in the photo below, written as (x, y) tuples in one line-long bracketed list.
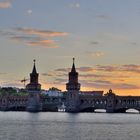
[(131, 68), (45, 33), (44, 43), (35, 41), (34, 37), (103, 77), (4, 5)]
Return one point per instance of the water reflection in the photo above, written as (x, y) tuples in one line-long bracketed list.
[(68, 126)]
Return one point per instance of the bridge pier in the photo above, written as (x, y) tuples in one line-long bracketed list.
[(72, 101), (110, 108), (33, 103)]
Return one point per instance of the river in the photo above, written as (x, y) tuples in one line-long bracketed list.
[(68, 126)]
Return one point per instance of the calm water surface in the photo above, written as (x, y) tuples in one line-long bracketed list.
[(66, 126)]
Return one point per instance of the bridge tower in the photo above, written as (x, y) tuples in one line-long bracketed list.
[(73, 87), (34, 85), (34, 89), (110, 107)]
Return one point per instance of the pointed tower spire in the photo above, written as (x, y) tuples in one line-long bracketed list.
[(73, 70), (34, 68), (73, 79), (34, 85), (73, 88)]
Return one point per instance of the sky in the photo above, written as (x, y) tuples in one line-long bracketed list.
[(102, 36)]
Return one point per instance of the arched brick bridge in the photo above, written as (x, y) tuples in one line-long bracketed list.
[(110, 102)]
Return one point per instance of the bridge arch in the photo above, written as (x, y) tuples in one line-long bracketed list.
[(100, 110), (132, 110), (87, 109)]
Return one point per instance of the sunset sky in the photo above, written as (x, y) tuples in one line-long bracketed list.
[(102, 35)]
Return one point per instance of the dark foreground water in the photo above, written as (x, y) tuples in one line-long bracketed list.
[(66, 126)]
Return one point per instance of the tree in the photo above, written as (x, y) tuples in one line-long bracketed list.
[(54, 89), (10, 91)]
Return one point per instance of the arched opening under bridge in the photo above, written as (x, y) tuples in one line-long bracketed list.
[(88, 109), (100, 110), (132, 110)]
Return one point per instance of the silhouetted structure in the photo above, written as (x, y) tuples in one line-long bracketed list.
[(74, 99), (73, 79), (89, 101), (73, 87), (34, 85)]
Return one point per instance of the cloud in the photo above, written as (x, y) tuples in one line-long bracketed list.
[(94, 42), (106, 68), (4, 5), (97, 75), (63, 69), (120, 77), (46, 74), (34, 37), (60, 80), (3, 73), (101, 16), (45, 33), (93, 76), (25, 38), (80, 69), (44, 43), (74, 5), (29, 11), (113, 39), (7, 33), (120, 68), (85, 69), (104, 84), (112, 76), (126, 86), (35, 41), (54, 74), (131, 68), (133, 43), (96, 54)]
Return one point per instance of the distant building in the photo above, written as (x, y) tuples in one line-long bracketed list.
[(52, 93)]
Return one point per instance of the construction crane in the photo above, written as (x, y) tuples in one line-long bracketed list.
[(24, 81)]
